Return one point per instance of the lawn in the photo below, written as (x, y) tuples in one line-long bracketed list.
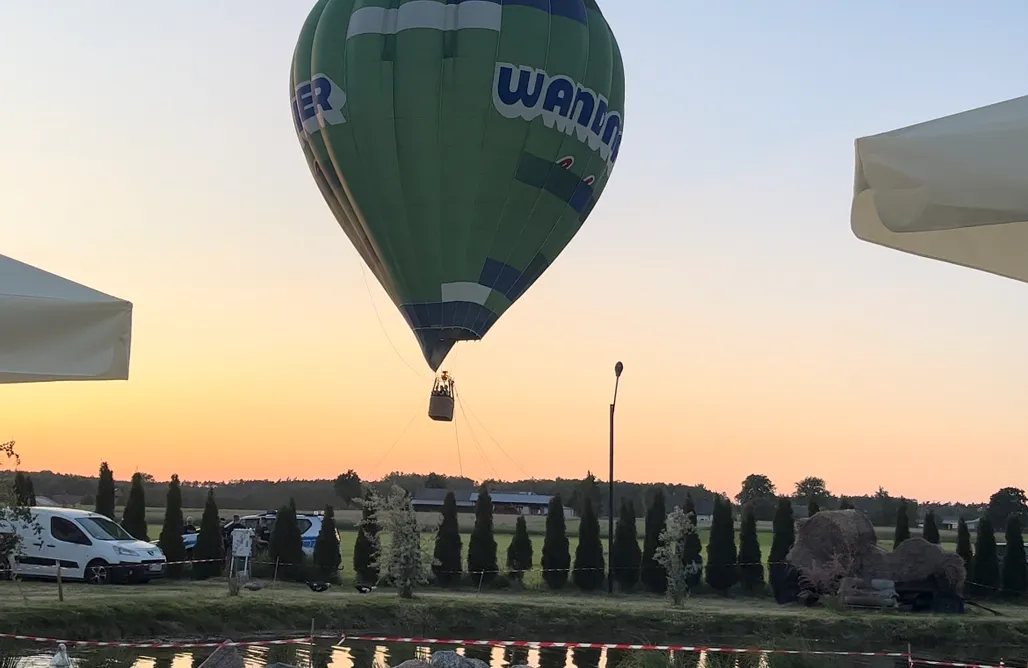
[(503, 533), (188, 609)]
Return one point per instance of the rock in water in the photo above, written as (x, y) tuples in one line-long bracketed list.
[(225, 656), (450, 659)]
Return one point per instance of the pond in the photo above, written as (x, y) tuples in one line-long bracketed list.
[(372, 655)]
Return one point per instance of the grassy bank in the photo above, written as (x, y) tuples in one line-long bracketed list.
[(180, 610)]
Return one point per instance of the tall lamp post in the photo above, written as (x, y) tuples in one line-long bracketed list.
[(618, 368)]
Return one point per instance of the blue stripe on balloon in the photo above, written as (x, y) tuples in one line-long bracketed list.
[(438, 316), (570, 9)]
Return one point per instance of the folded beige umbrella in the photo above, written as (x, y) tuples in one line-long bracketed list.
[(952, 189), (54, 329)]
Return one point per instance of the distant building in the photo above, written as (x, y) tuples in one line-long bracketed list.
[(949, 523), (504, 503)]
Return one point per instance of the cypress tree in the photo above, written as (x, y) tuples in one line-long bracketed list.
[(327, 558), (366, 546), (692, 552), (654, 577), (627, 556), (519, 552), (813, 508), (448, 545), (482, 563), (902, 525), (986, 578), (285, 547), (589, 571), (556, 559), (1015, 570), (964, 547), (784, 536), (170, 540), (846, 505), (722, 572), (105, 492), (24, 493), (751, 565), (210, 548), (133, 518), (931, 530)]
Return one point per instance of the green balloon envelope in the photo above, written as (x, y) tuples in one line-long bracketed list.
[(460, 144)]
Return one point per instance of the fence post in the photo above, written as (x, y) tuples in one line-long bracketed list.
[(910, 656), (60, 583)]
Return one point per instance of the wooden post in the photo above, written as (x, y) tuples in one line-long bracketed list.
[(60, 583)]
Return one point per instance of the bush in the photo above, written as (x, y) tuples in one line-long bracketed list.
[(589, 571), (170, 540), (519, 552), (24, 493), (133, 518), (482, 560), (406, 565), (670, 554), (209, 554), (448, 545), (653, 575), (366, 547), (721, 556), (627, 556), (751, 565), (327, 560), (556, 561), (286, 544)]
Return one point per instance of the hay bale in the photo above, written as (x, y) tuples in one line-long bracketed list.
[(832, 532), (875, 564), (915, 559), (953, 570)]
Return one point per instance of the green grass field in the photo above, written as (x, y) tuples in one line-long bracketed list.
[(504, 529)]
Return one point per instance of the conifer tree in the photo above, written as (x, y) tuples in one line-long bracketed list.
[(653, 575), (846, 505), (367, 546), (931, 530), (285, 548), (627, 556), (170, 540), (902, 525), (722, 571), (519, 552), (692, 553), (133, 518), (986, 578), (589, 570), (210, 548), (448, 544), (105, 492), (482, 562), (1015, 570), (751, 565), (784, 536), (964, 547), (813, 508), (24, 493), (327, 559), (556, 559)]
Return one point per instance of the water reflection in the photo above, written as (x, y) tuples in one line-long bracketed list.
[(366, 655)]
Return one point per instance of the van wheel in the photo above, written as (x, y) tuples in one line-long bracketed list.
[(97, 572), (5, 570)]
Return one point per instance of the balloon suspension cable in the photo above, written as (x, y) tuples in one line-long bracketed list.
[(417, 411), (381, 324), (474, 439), (465, 409), (460, 462)]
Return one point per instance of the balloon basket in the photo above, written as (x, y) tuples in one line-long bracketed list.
[(440, 403)]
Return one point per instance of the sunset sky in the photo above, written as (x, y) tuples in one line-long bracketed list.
[(147, 150)]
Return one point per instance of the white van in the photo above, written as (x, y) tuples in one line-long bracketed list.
[(88, 547)]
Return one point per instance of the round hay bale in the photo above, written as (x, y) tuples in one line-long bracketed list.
[(953, 570), (915, 559), (874, 564), (836, 532)]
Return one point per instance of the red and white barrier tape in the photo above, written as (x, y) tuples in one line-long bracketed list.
[(155, 645), (540, 644)]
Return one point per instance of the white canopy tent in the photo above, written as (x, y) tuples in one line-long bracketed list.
[(952, 189), (54, 329)]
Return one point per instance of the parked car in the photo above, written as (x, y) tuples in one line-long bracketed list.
[(264, 523), (81, 544)]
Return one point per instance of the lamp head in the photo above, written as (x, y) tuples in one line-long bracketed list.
[(618, 368)]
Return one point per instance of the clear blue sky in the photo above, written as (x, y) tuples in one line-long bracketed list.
[(147, 148)]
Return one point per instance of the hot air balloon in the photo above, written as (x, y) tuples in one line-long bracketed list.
[(460, 144)]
